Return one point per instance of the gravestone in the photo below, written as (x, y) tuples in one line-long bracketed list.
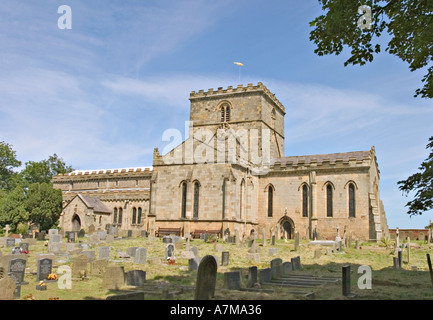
[(296, 241), (70, 236), (40, 235), (206, 279), (55, 238), (81, 233), (140, 256), (276, 268), (232, 280), (287, 268), (252, 276), (7, 287), (24, 246), (109, 238), (131, 251), (296, 263), (272, 251), (102, 234), (273, 240), (54, 247), (94, 238), (193, 263), (195, 251), (113, 278), (52, 232), (167, 239), (225, 258), (317, 253), (91, 229), (44, 268), (17, 267), (346, 282), (169, 251), (138, 295), (90, 254), (265, 275), (97, 267), (135, 278), (104, 252), (79, 265), (10, 242), (16, 250)]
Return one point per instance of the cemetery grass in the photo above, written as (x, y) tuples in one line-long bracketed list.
[(175, 282)]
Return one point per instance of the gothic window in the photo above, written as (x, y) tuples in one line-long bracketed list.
[(270, 201), (329, 200), (225, 113), (183, 203), (351, 200), (196, 198), (305, 201), (139, 216), (134, 216), (120, 216), (242, 199), (115, 216)]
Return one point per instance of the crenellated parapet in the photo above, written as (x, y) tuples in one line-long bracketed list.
[(260, 87)]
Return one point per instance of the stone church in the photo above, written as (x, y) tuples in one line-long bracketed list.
[(230, 174)]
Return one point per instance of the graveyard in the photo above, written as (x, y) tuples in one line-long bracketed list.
[(103, 266)]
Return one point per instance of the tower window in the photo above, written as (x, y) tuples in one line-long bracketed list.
[(183, 203), (225, 113)]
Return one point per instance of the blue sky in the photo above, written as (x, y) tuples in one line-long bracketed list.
[(101, 94)]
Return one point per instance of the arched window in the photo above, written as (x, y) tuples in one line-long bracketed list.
[(115, 216), (134, 216), (270, 201), (139, 216), (225, 113), (351, 200), (196, 198), (183, 201), (329, 200), (120, 216), (241, 202), (304, 200)]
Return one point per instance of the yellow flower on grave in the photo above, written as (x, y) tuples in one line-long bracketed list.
[(41, 283)]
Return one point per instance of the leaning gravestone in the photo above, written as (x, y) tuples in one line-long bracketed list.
[(44, 267), (206, 278)]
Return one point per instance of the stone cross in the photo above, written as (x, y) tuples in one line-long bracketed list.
[(338, 238), (7, 231)]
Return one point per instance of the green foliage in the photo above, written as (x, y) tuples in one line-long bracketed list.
[(12, 208), (43, 171), (22, 227), (8, 161), (408, 23), (29, 195), (44, 204), (422, 184)]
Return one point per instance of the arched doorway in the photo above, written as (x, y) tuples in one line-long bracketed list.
[(287, 226), (76, 223)]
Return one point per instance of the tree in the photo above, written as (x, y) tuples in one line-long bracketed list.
[(409, 23), (12, 207), (43, 171), (44, 204), (8, 161), (422, 184)]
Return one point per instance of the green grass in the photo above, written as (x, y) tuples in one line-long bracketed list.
[(387, 282)]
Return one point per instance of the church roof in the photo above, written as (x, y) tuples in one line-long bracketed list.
[(95, 204), (320, 158)]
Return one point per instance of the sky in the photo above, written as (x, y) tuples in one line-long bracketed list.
[(101, 93)]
